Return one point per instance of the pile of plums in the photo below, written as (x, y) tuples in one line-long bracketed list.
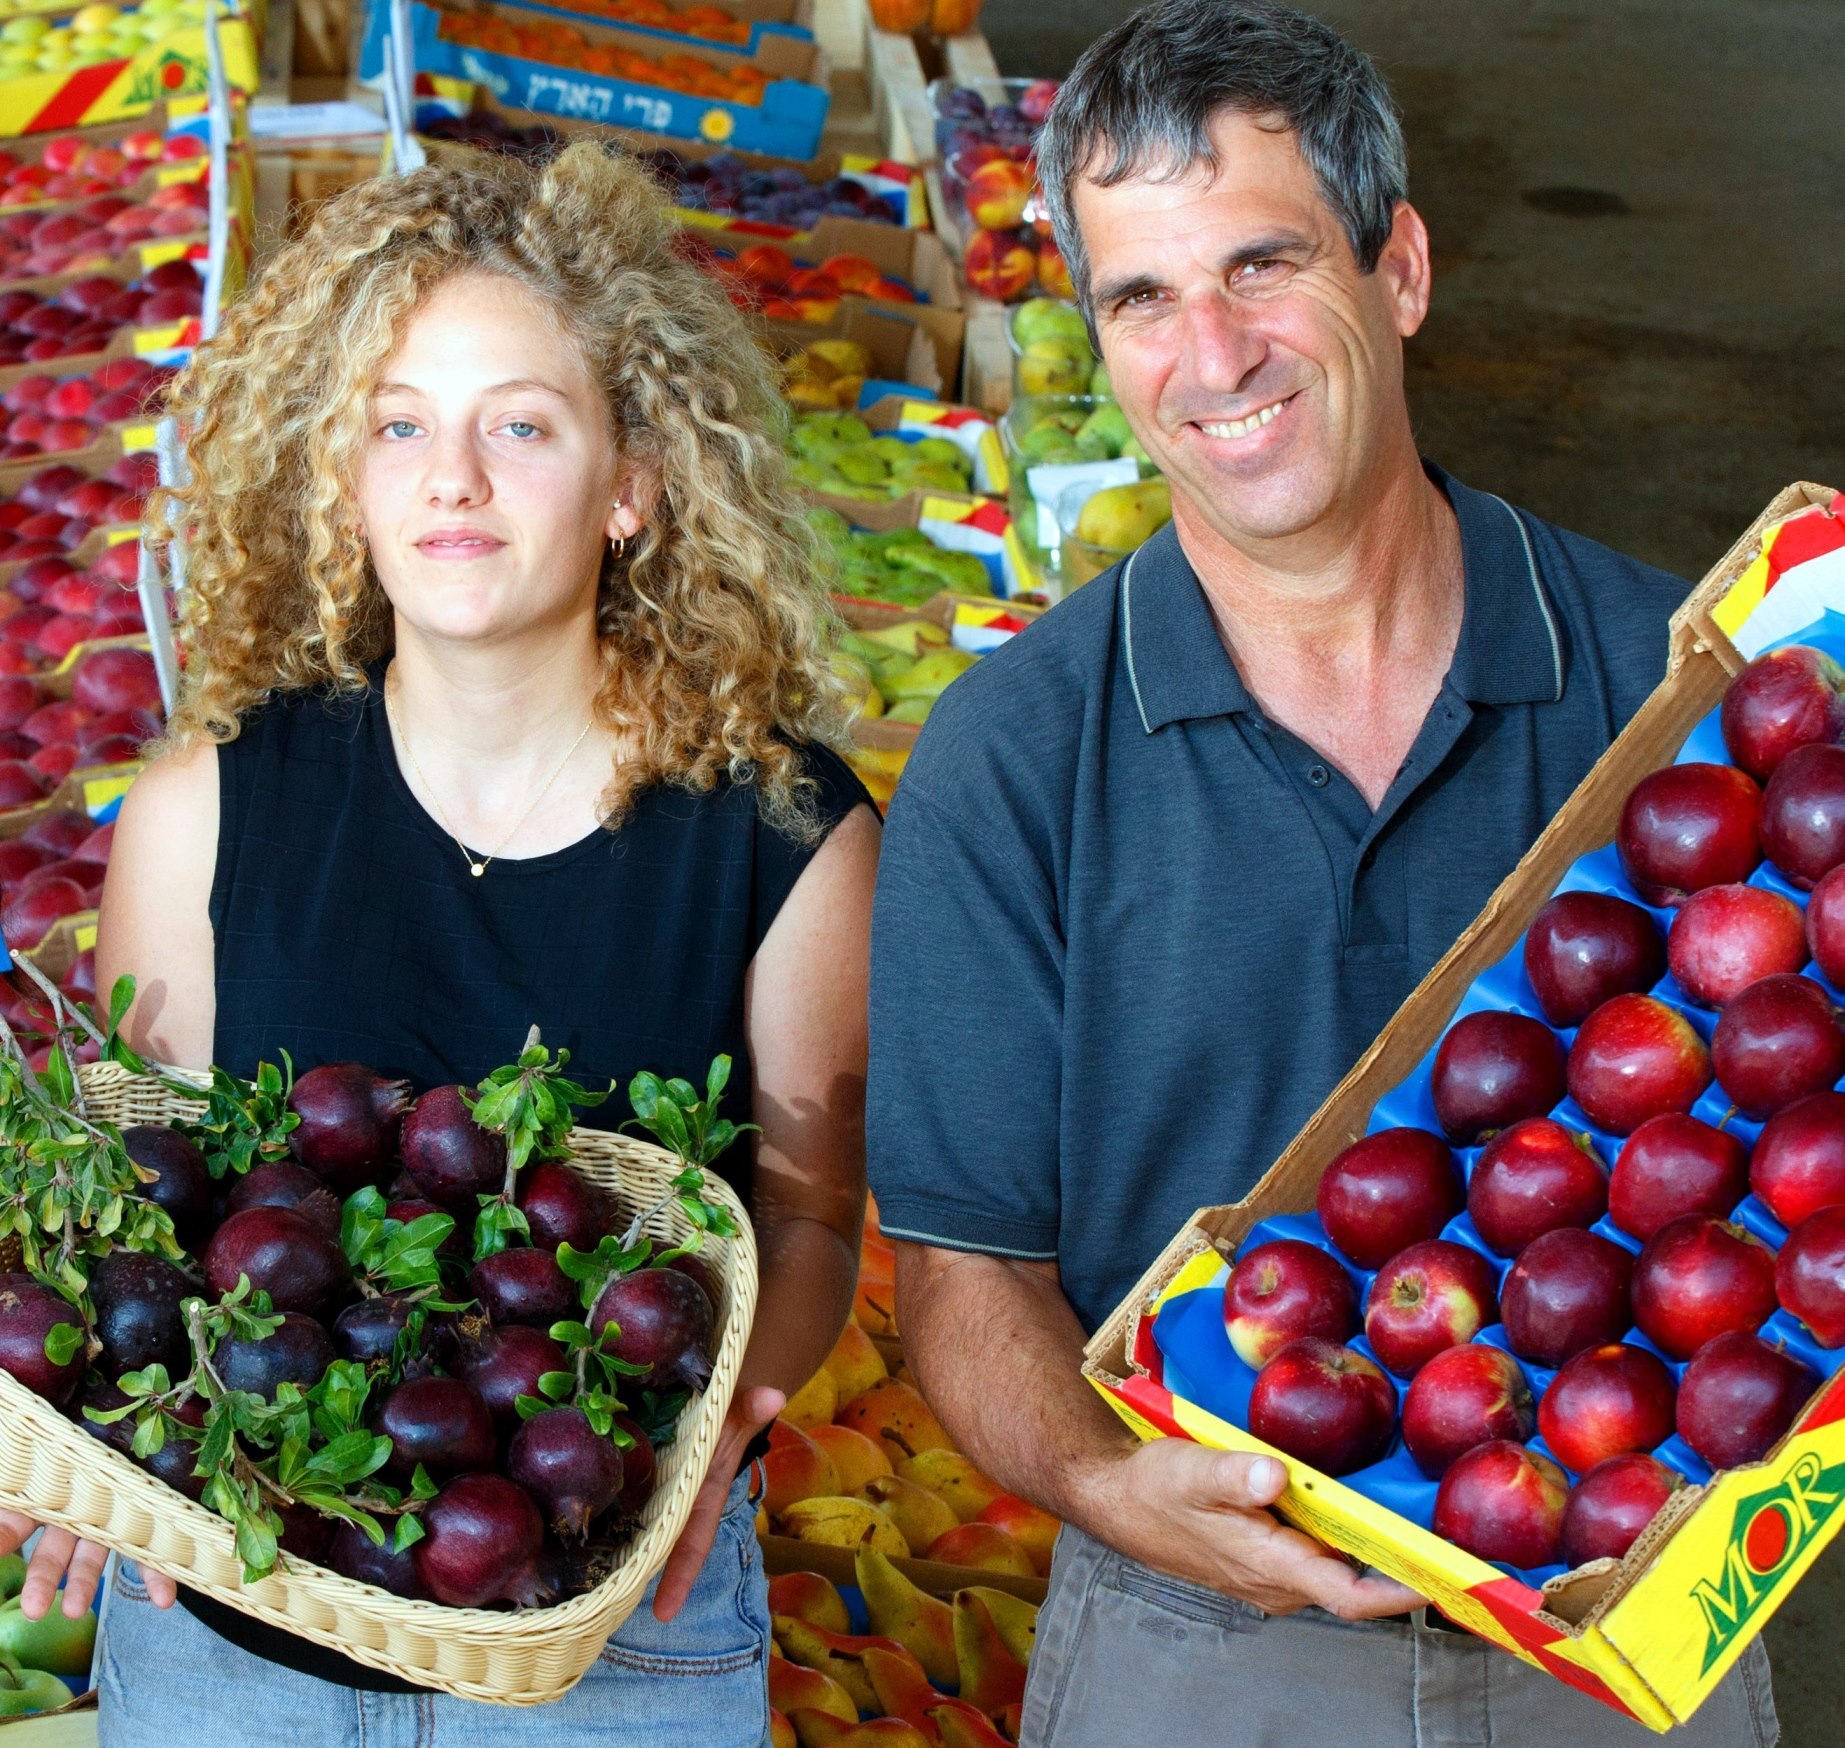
[(517, 1493), (1645, 1248)]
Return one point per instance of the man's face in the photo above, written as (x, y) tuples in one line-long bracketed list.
[(1260, 368)]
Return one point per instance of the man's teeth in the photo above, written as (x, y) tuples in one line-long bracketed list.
[(1242, 427)]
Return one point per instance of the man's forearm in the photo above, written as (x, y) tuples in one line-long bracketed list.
[(997, 1351)]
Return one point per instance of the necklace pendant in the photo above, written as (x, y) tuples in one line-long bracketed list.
[(477, 869)]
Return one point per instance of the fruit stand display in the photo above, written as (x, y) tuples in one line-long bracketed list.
[(1600, 1150), (44, 1664)]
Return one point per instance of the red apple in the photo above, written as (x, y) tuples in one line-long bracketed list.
[(1687, 827), (1584, 947), (1532, 1179), (1325, 1404), (1566, 1291), (1788, 698), (1464, 1397), (1611, 1506), (1491, 1070), (1798, 1166), (1607, 1401), (1777, 1042), (1810, 1275), (1636, 1058), (1503, 1502), (116, 679), (28, 913), (1738, 1396), (1283, 1290), (1426, 1299), (1803, 814), (1387, 1191), (1825, 926), (1698, 1278), (1728, 937), (1675, 1165)]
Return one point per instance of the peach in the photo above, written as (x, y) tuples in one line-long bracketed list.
[(1000, 264), (997, 193)]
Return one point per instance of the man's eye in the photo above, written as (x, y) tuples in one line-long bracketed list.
[(1257, 269)]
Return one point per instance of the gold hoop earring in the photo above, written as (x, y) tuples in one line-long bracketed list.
[(620, 542)]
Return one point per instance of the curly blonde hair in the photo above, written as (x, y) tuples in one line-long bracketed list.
[(713, 624)]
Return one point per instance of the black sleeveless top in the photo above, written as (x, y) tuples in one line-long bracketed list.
[(348, 928)]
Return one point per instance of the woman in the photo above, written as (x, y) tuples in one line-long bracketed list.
[(506, 703)]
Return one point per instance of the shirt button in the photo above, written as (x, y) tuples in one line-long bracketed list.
[(1318, 776)]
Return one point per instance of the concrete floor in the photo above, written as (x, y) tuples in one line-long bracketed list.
[(1649, 371)]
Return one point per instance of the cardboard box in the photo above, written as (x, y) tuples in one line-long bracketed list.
[(916, 257), (904, 351), (787, 123), (757, 19), (1652, 1635)]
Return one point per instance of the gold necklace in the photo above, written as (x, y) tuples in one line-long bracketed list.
[(477, 869)]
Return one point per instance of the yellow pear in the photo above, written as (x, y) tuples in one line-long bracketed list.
[(842, 1523), (855, 1363), (953, 1478), (917, 1513), (856, 1459), (1120, 518), (899, 1610), (815, 1403)]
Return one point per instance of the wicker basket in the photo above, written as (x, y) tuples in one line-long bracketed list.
[(52, 1470)]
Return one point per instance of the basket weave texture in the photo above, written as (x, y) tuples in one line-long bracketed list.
[(54, 1471)]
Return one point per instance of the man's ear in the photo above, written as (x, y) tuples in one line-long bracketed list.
[(1404, 269)]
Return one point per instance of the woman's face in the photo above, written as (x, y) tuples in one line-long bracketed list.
[(488, 471)]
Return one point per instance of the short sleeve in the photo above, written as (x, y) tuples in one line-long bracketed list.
[(966, 1034), (780, 859)]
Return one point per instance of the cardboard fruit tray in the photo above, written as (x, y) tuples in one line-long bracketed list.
[(1649, 1635)]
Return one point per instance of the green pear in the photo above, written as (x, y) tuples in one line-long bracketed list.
[(891, 449), (1099, 384), (1045, 318), (939, 449), (930, 675), (1119, 518), (1108, 427), (56, 1643), (829, 525), (911, 710)]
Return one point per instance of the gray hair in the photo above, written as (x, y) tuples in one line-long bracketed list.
[(1142, 97)]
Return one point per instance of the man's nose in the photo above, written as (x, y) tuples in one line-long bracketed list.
[(1222, 341)]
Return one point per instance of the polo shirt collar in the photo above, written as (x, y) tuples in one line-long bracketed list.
[(1510, 649)]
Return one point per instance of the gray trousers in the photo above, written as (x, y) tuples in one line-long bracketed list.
[(1126, 1655)]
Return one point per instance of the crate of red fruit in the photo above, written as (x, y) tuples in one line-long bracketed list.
[(76, 409), (1546, 1304), (125, 158), (456, 1373)]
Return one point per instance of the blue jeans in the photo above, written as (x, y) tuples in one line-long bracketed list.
[(166, 1680)]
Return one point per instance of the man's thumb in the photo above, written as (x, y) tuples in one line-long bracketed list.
[(1241, 1479)]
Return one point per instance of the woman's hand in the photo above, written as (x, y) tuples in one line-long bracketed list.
[(751, 1409), (60, 1554)]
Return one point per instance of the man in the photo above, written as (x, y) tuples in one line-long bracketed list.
[(1161, 869)]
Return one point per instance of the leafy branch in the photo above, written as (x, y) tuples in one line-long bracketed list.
[(592, 1384), (399, 1257)]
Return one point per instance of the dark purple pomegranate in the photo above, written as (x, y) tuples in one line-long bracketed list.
[(138, 1317), (352, 1554), (665, 1323), (450, 1156), (350, 1119), (505, 1364), (28, 1313), (638, 1469), (100, 1394), (483, 1540), (284, 1184), (698, 1268), (285, 1256), (570, 1469), (173, 1463), (562, 1206), (439, 1422), (367, 1330), (523, 1285), (182, 1180), (305, 1533), (298, 1352)]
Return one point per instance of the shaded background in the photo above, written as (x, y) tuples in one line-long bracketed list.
[(1638, 213)]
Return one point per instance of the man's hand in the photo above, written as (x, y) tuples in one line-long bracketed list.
[(751, 1409), (60, 1554), (1198, 1515)]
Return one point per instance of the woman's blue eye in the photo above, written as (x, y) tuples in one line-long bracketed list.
[(522, 427), (401, 428)]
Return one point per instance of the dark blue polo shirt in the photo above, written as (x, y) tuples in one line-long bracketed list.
[(1130, 933)]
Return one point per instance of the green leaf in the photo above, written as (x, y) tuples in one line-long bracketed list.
[(150, 1437), (527, 1406), (409, 1532), (557, 1385), (63, 1341), (121, 999), (717, 1077), (421, 1487), (571, 1334)]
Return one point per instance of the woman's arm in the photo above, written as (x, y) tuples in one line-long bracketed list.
[(155, 924), (805, 1022), (156, 927)]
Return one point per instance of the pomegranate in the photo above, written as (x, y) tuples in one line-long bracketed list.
[(181, 1182), (28, 1313), (284, 1256), (505, 1364), (305, 1533), (98, 1393), (368, 1329), (451, 1158), (138, 1317), (572, 1470), (298, 1352), (283, 1184), (411, 1208), (523, 1285), (174, 1463), (482, 1543), (439, 1422), (638, 1469), (564, 1207), (665, 1322), (350, 1119), (352, 1554)]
